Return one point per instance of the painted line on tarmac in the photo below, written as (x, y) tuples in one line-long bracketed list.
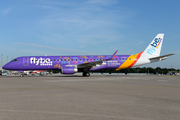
[(162, 80), (84, 80), (72, 114)]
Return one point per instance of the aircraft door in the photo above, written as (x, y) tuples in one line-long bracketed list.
[(26, 61)]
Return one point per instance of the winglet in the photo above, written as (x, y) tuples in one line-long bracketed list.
[(114, 55)]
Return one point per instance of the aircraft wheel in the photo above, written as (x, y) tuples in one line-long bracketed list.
[(21, 75), (87, 74)]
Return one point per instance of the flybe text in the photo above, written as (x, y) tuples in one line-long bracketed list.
[(154, 46), (156, 42), (41, 61)]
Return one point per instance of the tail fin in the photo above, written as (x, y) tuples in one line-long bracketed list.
[(154, 48), (152, 52)]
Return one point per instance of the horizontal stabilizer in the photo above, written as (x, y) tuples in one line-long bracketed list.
[(161, 56)]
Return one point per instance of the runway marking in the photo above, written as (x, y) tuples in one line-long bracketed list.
[(162, 80), (72, 114), (83, 80)]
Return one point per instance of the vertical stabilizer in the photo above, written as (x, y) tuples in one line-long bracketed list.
[(154, 48)]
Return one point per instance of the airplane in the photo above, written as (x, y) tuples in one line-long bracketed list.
[(88, 63)]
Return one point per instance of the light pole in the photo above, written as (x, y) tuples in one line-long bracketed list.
[(1, 60)]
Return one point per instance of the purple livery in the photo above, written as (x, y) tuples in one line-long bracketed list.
[(87, 63)]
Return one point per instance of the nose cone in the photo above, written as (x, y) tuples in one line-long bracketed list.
[(5, 67)]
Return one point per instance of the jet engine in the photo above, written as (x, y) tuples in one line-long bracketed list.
[(68, 70)]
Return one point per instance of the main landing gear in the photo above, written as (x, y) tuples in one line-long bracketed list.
[(87, 74)]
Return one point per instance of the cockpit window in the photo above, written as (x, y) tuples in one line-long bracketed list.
[(14, 60)]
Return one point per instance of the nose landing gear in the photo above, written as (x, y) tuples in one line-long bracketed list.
[(21, 75)]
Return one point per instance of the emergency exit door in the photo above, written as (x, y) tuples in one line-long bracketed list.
[(26, 61)]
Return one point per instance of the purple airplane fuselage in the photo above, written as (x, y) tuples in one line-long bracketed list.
[(59, 62)]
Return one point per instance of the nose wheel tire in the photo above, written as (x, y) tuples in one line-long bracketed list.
[(86, 74), (22, 75)]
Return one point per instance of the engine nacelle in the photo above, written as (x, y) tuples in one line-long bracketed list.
[(68, 70)]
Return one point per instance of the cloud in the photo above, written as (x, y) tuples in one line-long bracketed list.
[(6, 11), (83, 21), (140, 43), (102, 2), (98, 39), (55, 49), (83, 15)]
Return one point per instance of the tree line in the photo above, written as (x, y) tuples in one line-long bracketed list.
[(156, 70)]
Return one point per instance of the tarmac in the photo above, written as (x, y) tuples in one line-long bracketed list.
[(98, 97)]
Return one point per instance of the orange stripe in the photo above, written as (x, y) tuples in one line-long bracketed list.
[(129, 63), (139, 55)]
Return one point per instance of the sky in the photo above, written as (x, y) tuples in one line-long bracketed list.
[(88, 27)]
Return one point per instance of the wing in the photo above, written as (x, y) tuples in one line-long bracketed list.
[(94, 63), (90, 64)]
